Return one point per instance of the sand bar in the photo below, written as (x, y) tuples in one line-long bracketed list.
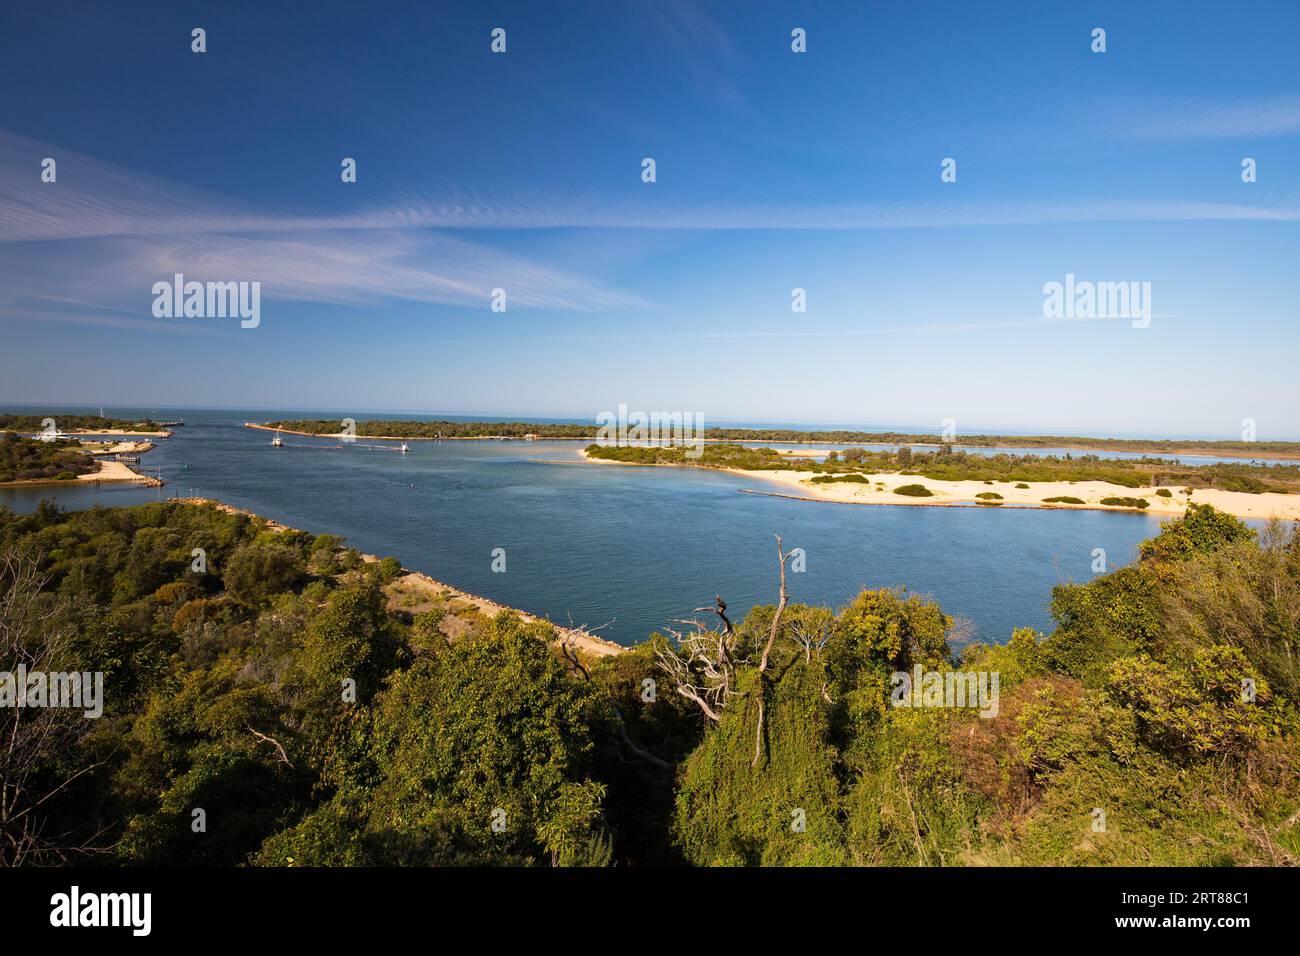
[(880, 491)]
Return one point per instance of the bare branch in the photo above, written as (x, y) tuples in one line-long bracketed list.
[(271, 740)]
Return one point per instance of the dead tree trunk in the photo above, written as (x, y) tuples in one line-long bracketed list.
[(782, 557)]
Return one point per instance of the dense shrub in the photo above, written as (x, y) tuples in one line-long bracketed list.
[(914, 491)]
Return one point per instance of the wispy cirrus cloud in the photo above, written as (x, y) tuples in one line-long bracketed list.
[(1210, 118), (98, 199), (100, 236)]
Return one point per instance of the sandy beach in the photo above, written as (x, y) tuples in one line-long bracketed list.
[(880, 491), (116, 471), (119, 471), (117, 448)]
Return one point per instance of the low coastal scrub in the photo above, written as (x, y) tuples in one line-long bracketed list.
[(831, 479), (989, 495), (1164, 493), (946, 465), (377, 428), (27, 459), (67, 423), (914, 491), (1063, 500), (324, 710), (430, 429), (1116, 502)]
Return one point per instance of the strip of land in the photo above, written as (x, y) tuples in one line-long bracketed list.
[(872, 487), (30, 461), (80, 425), (120, 471), (446, 430), (880, 490)]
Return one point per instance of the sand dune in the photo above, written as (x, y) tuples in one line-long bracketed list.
[(881, 491)]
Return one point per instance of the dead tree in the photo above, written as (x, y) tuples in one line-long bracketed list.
[(811, 636), (702, 665), (782, 557)]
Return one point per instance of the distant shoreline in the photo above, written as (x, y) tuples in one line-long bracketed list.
[(96, 431), (962, 493), (1127, 446)]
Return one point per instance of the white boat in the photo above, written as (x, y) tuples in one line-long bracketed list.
[(277, 441), (404, 449)]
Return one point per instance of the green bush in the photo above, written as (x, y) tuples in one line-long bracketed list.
[(1126, 502), (914, 491), (989, 495), (1063, 500)]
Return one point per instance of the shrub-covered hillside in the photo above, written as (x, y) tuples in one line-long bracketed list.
[(273, 698)]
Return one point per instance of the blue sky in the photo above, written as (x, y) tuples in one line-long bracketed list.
[(775, 170)]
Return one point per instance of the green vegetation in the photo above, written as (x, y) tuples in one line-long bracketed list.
[(27, 459), (831, 479), (1126, 502), (439, 429), (326, 710), (1141, 445), (68, 423), (947, 465), (989, 495), (1063, 500), (914, 491), (285, 690), (1021, 484), (431, 429), (1164, 493), (1134, 705)]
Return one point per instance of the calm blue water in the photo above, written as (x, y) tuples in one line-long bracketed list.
[(638, 547)]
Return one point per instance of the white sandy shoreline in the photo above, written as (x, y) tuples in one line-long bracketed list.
[(797, 484), (109, 471)]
